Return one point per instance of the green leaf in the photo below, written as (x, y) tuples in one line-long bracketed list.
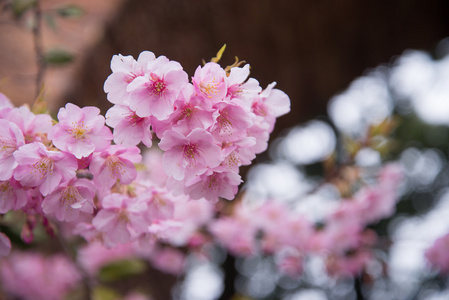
[(58, 57), (217, 58), (19, 7), (104, 293), (51, 22), (122, 269), (70, 11)]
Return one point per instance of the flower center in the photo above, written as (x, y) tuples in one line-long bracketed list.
[(210, 88), (224, 123), (211, 183), (43, 167), (79, 131), (122, 216), (259, 109), (188, 113), (115, 166), (130, 77), (7, 147), (190, 151), (234, 91), (69, 196), (133, 119), (157, 85), (6, 191)]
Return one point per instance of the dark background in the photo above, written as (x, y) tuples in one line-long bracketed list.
[(312, 49)]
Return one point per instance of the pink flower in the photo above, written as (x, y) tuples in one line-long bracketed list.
[(124, 70), (169, 260), (238, 89), (80, 131), (189, 156), (5, 102), (154, 94), (94, 256), (270, 104), (192, 216), (232, 122), (191, 112), (41, 168), (213, 185), (69, 199), (136, 296), (11, 138), (34, 200), (32, 126), (438, 254), (272, 218), (129, 128), (209, 82), (153, 174), (30, 276), (5, 106), (160, 204), (379, 201), (237, 154), (12, 196), (5, 245), (343, 229), (236, 233), (260, 132), (120, 219), (115, 163)]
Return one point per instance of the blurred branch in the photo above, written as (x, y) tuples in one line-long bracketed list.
[(358, 287), (38, 48), (230, 277)]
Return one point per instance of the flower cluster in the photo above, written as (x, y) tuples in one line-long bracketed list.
[(32, 276), (207, 128), (69, 170), (341, 237)]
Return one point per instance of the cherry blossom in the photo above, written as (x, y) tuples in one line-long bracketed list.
[(120, 218), (169, 260), (187, 156), (154, 93), (212, 185), (32, 126), (5, 245), (114, 164), (209, 82), (80, 131), (124, 70), (69, 199), (129, 128), (12, 196), (437, 254), (191, 112), (39, 167), (24, 275), (11, 138)]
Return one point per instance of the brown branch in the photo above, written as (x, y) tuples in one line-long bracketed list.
[(38, 48)]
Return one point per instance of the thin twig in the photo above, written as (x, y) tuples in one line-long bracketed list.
[(358, 287), (38, 48)]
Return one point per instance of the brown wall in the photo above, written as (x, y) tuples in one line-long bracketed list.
[(313, 49)]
